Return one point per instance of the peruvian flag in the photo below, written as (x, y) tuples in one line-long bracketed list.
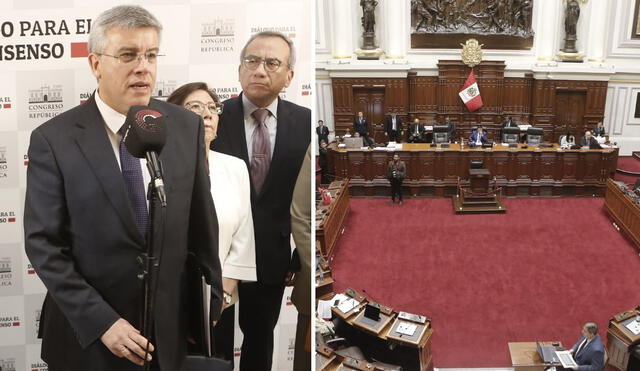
[(470, 93)]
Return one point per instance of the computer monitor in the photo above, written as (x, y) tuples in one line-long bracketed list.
[(510, 135), (534, 136), (440, 134), (476, 164)]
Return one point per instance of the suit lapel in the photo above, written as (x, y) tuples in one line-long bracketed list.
[(94, 144)]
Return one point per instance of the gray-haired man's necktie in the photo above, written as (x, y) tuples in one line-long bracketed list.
[(261, 149)]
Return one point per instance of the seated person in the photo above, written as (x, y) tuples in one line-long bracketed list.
[(589, 141), (478, 136), (567, 141), (589, 350), (508, 122), (416, 132), (599, 130)]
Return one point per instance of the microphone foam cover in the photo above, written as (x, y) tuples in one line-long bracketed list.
[(146, 131)]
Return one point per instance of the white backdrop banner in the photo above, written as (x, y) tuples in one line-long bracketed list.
[(44, 71)]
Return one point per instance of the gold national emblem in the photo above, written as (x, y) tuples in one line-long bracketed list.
[(472, 53), (472, 92)]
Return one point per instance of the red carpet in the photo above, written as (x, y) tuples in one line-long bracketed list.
[(535, 273)]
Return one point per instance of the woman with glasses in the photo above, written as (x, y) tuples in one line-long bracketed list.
[(231, 197)]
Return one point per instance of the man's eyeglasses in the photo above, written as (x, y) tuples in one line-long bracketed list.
[(198, 107), (129, 57), (270, 64)]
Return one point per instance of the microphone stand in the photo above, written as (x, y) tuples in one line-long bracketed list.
[(150, 262)]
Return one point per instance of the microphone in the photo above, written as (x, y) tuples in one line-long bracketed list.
[(145, 137)]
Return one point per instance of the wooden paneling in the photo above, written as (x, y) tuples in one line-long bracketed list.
[(542, 103), (435, 171), (626, 213)]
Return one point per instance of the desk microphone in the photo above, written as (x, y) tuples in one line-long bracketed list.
[(145, 137)]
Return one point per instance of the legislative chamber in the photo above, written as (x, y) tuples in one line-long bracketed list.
[(479, 173)]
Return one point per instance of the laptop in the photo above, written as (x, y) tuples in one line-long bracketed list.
[(547, 353), (354, 142)]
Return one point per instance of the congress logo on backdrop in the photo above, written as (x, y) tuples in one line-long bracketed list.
[(10, 275), (218, 36), (8, 364), (218, 32), (8, 163), (45, 101), (44, 95), (32, 310), (3, 162), (164, 88)]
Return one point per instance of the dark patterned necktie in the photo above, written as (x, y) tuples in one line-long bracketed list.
[(132, 174), (260, 149)]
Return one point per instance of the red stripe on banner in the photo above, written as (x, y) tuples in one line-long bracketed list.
[(16, 324), (12, 220), (26, 163), (234, 95), (306, 92), (79, 50), (31, 271), (289, 303), (6, 105), (82, 101)]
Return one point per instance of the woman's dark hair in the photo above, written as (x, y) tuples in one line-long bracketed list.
[(179, 95)]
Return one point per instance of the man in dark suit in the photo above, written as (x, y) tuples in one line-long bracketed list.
[(589, 141), (361, 126), (322, 132), (588, 352), (416, 132), (393, 127), (507, 123), (86, 220), (396, 171), (478, 136), (598, 130), (271, 135)]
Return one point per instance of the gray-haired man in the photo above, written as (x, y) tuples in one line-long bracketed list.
[(86, 219), (271, 135)]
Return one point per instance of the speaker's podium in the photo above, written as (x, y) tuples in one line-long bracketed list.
[(480, 196)]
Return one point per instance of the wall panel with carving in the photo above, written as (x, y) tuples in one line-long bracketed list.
[(498, 24)]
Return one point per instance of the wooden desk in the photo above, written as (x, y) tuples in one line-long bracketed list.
[(435, 171), (623, 211), (329, 227), (619, 338), (412, 356), (524, 357)]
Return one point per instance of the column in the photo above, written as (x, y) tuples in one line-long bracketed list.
[(393, 19), (548, 14), (597, 31), (341, 37)]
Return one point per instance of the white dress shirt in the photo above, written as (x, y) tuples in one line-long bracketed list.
[(250, 123), (232, 198), (113, 122)]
